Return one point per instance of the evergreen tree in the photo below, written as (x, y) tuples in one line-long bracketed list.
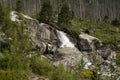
[(19, 6), (46, 13), (15, 48), (65, 15), (116, 22), (2, 14)]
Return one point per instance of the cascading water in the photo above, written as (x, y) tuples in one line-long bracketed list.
[(65, 42)]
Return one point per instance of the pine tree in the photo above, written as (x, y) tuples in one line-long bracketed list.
[(2, 14), (46, 13), (65, 15), (15, 48), (19, 6), (116, 22)]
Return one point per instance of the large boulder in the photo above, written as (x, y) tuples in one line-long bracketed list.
[(69, 57), (88, 43)]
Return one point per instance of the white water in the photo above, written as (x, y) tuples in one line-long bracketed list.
[(65, 42)]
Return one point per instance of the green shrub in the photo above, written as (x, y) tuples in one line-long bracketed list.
[(2, 14), (116, 22), (19, 5), (40, 66), (46, 13), (12, 75), (14, 62), (118, 59), (65, 15), (61, 74)]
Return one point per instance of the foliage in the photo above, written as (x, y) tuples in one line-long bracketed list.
[(13, 62), (13, 67), (75, 27), (46, 13), (2, 14), (65, 15), (12, 75), (19, 6), (61, 74), (106, 18), (14, 51), (118, 59), (17, 36), (40, 66), (116, 22), (7, 25)]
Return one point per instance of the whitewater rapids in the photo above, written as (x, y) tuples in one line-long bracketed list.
[(65, 42)]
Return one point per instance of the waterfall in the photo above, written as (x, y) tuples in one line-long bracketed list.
[(65, 42)]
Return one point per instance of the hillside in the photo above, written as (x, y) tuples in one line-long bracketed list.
[(58, 46)]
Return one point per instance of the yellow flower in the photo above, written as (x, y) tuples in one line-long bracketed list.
[(117, 29), (86, 73), (118, 69)]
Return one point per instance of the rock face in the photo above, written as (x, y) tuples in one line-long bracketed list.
[(88, 43), (42, 35)]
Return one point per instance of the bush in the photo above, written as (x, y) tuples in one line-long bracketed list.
[(60, 74), (46, 13), (86, 74), (13, 62), (116, 22), (65, 15), (12, 75), (40, 66), (118, 59), (2, 14), (19, 5)]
